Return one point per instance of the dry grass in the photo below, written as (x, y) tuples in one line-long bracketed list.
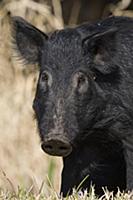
[(22, 194), (22, 162)]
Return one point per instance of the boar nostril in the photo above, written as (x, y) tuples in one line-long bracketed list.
[(63, 148), (57, 147), (48, 146)]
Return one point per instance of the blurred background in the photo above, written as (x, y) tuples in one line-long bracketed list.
[(22, 162)]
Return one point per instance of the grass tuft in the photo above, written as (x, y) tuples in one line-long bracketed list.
[(23, 194)]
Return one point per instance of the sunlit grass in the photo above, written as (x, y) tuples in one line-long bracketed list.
[(23, 194)]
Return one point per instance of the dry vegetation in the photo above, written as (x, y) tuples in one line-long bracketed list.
[(22, 162)]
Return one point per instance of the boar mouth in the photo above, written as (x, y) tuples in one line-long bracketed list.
[(56, 146)]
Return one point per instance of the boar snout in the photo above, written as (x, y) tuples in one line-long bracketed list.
[(57, 146)]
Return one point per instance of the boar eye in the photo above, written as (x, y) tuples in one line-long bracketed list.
[(80, 82), (81, 79), (44, 77), (45, 80)]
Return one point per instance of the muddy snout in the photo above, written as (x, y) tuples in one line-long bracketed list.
[(57, 146)]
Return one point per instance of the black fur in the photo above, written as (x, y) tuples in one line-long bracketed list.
[(85, 93)]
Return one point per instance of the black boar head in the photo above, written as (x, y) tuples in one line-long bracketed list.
[(74, 66)]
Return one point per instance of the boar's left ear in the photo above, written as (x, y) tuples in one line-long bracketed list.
[(27, 39), (102, 47)]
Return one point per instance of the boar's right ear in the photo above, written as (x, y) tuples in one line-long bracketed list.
[(27, 40)]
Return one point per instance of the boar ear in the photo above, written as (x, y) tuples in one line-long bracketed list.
[(102, 47), (27, 40)]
